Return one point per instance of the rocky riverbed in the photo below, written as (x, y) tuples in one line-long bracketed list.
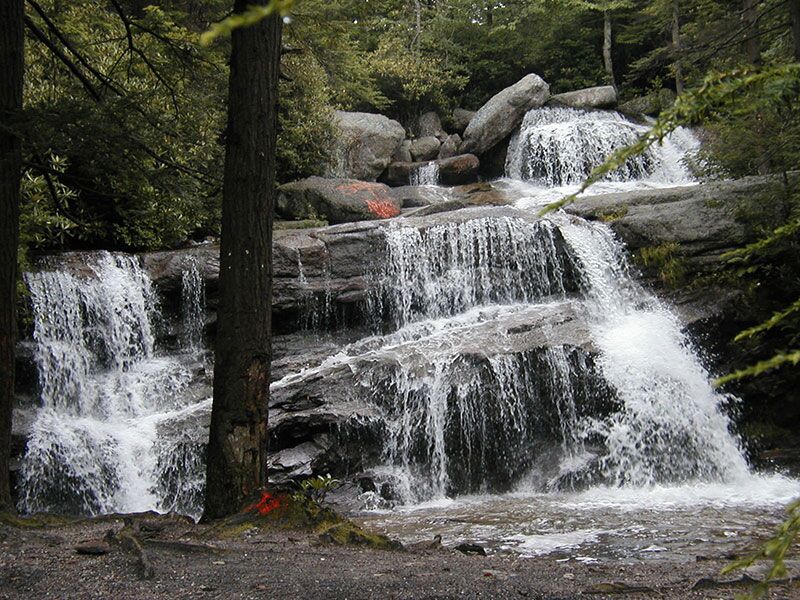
[(186, 563)]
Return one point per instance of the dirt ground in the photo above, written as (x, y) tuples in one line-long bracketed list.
[(184, 560)]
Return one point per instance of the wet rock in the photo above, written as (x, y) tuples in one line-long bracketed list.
[(414, 196), (365, 145), (503, 113), (474, 549), (458, 170), (336, 200), (493, 162), (450, 146), (425, 148), (604, 96)]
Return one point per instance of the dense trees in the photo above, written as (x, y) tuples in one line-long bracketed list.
[(236, 462), (11, 70)]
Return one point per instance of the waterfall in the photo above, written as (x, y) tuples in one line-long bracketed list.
[(193, 306), (558, 146), (452, 267), (490, 416), (425, 174), (509, 353), (110, 435)]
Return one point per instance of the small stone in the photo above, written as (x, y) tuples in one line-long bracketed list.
[(471, 549), (93, 548)]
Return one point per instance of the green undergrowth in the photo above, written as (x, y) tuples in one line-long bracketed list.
[(664, 260), (297, 512)]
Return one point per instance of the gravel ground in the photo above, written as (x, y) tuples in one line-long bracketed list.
[(189, 562)]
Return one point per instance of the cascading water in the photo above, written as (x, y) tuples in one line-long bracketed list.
[(556, 148), (108, 435), (193, 307)]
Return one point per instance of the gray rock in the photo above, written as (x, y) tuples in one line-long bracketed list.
[(604, 96), (425, 148), (415, 196), (461, 119), (503, 113), (651, 104), (365, 145), (403, 152), (702, 219), (450, 146), (429, 124), (458, 170), (336, 200)]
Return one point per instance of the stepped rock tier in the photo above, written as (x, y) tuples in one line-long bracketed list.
[(456, 344)]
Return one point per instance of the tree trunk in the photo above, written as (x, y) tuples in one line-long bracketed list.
[(11, 73), (607, 60), (417, 24), (236, 463), (752, 43), (794, 10), (676, 45)]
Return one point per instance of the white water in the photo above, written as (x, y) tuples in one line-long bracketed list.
[(109, 435), (557, 148)]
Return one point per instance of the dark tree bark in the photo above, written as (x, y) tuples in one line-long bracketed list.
[(676, 45), (794, 11), (11, 73), (607, 45), (236, 464), (752, 44)]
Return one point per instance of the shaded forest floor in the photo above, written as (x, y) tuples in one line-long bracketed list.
[(184, 560)]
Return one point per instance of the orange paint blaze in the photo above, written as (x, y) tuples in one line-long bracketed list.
[(267, 504), (382, 209)]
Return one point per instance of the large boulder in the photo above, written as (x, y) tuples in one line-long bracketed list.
[(503, 113), (365, 145), (336, 200), (604, 96), (651, 104), (425, 148)]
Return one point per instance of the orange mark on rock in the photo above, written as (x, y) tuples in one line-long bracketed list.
[(267, 504), (382, 209)]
